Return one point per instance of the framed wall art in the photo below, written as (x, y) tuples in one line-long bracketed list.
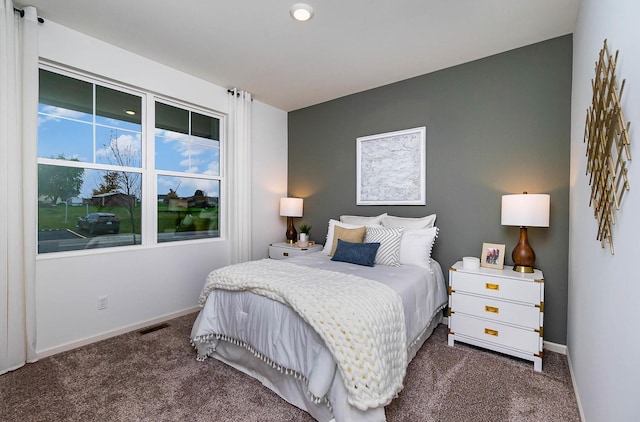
[(392, 168), (492, 256)]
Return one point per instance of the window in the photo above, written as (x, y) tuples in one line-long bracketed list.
[(93, 140), (187, 157)]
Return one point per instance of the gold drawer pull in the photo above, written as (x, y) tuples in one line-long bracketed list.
[(491, 286), (491, 332), (491, 309)]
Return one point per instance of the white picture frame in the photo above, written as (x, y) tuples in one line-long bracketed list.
[(492, 256), (392, 168)]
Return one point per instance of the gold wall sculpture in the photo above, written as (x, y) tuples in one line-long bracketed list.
[(607, 137)]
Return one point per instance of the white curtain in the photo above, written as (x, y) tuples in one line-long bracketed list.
[(239, 175), (18, 184)]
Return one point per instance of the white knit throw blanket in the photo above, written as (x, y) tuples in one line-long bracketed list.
[(360, 320)]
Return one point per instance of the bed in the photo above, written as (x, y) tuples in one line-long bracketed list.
[(278, 336)]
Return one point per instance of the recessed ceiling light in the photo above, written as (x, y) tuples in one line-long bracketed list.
[(130, 112), (301, 12)]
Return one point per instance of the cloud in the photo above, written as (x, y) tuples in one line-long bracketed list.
[(127, 146), (57, 113)]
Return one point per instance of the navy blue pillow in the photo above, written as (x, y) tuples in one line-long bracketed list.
[(356, 253)]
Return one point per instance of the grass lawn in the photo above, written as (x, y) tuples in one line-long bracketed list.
[(53, 218)]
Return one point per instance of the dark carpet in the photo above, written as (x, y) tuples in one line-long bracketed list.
[(155, 377)]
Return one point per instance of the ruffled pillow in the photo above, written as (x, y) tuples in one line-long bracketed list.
[(416, 245)]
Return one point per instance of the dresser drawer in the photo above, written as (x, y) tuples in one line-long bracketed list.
[(497, 287), (496, 333), (496, 310)]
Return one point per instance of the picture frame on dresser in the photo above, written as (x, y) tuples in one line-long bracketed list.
[(492, 256)]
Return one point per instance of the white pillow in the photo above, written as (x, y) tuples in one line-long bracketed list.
[(328, 244), (363, 221), (409, 223), (389, 239), (416, 245)]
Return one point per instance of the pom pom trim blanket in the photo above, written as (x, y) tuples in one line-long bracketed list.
[(361, 321)]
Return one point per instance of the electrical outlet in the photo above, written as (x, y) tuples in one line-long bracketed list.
[(103, 302)]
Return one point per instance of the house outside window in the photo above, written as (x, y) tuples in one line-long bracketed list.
[(98, 156)]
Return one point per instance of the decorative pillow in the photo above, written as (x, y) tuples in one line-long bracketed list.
[(415, 246), (348, 235), (363, 221), (356, 253), (328, 244), (389, 239), (409, 223)]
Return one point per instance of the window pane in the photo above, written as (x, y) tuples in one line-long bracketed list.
[(172, 118), (65, 96), (65, 139), (118, 109), (187, 154), (65, 122), (178, 149), (81, 208), (187, 208), (205, 126), (118, 147)]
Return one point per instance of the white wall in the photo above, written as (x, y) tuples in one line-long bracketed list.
[(147, 284), (269, 177), (604, 289)]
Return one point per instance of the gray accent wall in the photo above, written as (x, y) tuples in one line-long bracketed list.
[(495, 126)]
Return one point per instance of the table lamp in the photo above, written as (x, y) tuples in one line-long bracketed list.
[(525, 210), (291, 207)]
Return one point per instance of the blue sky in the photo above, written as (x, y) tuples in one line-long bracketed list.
[(69, 132)]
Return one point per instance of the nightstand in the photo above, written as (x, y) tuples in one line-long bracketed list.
[(500, 310), (287, 250)]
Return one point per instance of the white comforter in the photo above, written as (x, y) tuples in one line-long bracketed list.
[(277, 335)]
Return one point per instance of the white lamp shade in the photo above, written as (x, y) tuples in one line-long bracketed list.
[(525, 210), (291, 207)]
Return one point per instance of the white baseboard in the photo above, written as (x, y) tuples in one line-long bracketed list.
[(123, 330), (552, 347), (555, 347), (575, 390)]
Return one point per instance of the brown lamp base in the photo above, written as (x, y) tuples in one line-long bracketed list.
[(523, 255), (522, 269), (291, 233)]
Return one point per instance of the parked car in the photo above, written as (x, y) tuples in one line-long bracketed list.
[(99, 222)]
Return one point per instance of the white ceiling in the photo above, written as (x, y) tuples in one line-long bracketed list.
[(349, 46)]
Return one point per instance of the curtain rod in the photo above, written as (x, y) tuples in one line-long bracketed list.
[(21, 12), (231, 91)]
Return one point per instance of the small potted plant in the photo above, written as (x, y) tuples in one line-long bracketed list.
[(304, 232)]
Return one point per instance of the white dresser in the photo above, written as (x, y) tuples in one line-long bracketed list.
[(287, 250), (500, 310)]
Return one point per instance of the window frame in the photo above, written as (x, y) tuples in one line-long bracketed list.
[(156, 172), (149, 174)]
